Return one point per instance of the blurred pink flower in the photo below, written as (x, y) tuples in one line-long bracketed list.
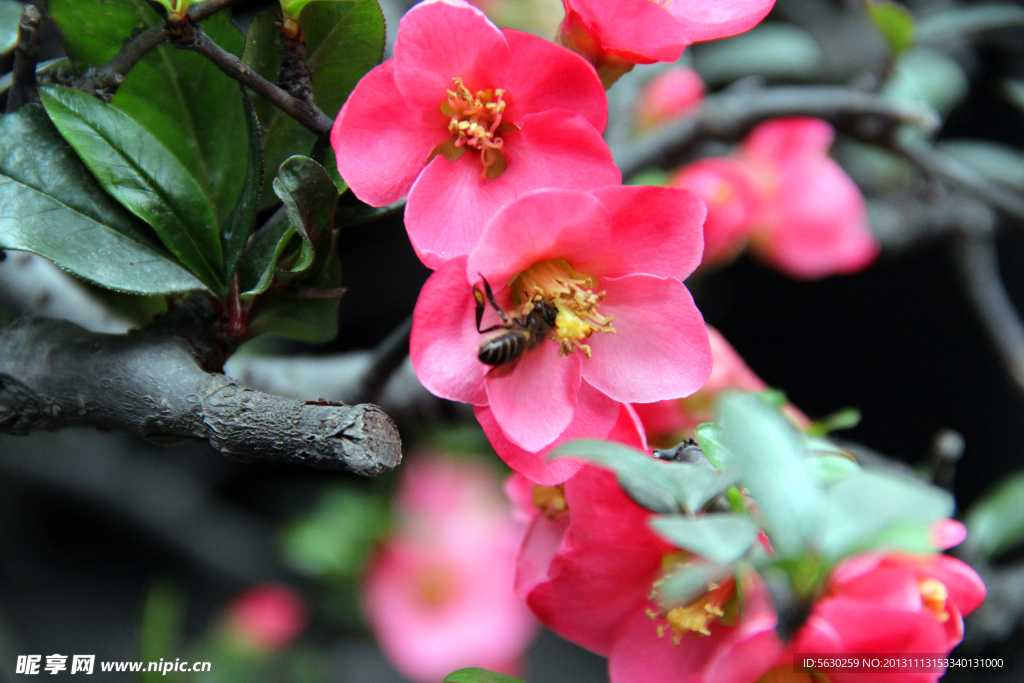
[(439, 595), (668, 96), (607, 262), (466, 117), (787, 198), (268, 617), (616, 34), (666, 423)]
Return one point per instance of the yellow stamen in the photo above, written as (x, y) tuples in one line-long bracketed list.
[(550, 500), (572, 294), (934, 595), (474, 122), (699, 615)]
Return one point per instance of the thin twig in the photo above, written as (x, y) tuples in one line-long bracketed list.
[(105, 80), (305, 112), (729, 115), (942, 165), (387, 357), (979, 266), (26, 54)]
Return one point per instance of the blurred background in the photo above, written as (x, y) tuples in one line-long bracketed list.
[(113, 546)]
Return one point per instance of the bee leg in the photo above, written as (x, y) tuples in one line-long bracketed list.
[(480, 306)]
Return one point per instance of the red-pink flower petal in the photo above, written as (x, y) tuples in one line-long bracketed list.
[(444, 342), (534, 401), (668, 96), (661, 349), (947, 533), (781, 142), (711, 19), (594, 418), (439, 40), (380, 160), (540, 226), (636, 31), (654, 230), (450, 203), (566, 81), (541, 545)]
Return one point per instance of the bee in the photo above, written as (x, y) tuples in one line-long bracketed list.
[(519, 333)]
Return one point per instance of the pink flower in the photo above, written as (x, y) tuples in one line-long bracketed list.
[(611, 323), (616, 34), (439, 594), (669, 96), (733, 194), (268, 617), (590, 562), (785, 196), (466, 117)]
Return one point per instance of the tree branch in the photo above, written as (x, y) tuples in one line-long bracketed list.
[(26, 54), (305, 112), (104, 81), (979, 266), (54, 375), (729, 115)]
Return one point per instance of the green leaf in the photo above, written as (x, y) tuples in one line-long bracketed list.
[(775, 51), (895, 22), (929, 77), (847, 418), (143, 175), (863, 509), (768, 451), (311, 320), (344, 40), (180, 97), (351, 211), (51, 205), (709, 436), (337, 537), (650, 176), (832, 468), (944, 26), (997, 162), (688, 582), (258, 265), (660, 486), (310, 198), (995, 523), (237, 226), (475, 675), (718, 538), (10, 14)]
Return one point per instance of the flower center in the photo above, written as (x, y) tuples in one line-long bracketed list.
[(699, 615), (474, 121), (934, 595), (573, 296), (550, 500), (434, 587)]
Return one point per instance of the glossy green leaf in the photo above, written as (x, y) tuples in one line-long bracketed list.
[(311, 320), (718, 538), (769, 454), (476, 675), (143, 175), (238, 224), (864, 508), (310, 197), (10, 14), (52, 206), (657, 485), (344, 40), (930, 77), (323, 153), (895, 23), (709, 436), (180, 97), (995, 523), (258, 265)]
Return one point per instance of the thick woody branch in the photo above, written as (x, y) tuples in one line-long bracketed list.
[(729, 115), (26, 54), (302, 110), (54, 375)]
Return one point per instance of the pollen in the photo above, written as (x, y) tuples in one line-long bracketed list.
[(934, 595), (550, 500), (698, 616), (573, 295), (474, 123)]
